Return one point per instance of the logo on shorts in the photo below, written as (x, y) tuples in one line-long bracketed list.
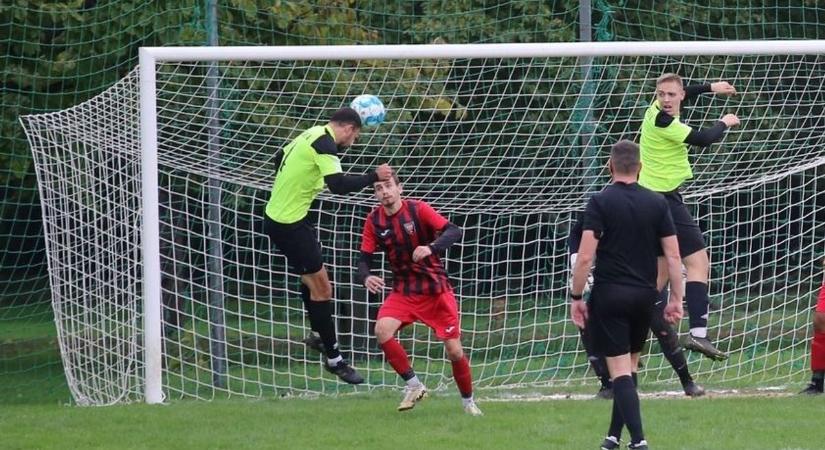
[(449, 329), (409, 227)]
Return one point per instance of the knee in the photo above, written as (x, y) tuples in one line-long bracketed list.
[(321, 291), (383, 332), (819, 322), (455, 352), (668, 341), (697, 260)]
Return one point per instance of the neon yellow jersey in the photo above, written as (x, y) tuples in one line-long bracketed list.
[(664, 154), (301, 175)]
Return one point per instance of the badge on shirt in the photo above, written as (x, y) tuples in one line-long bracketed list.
[(409, 227)]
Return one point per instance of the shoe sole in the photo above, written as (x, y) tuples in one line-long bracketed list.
[(407, 408)]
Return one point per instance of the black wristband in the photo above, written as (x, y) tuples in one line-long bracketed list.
[(577, 297)]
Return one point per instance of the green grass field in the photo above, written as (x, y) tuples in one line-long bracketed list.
[(35, 411), (370, 421)]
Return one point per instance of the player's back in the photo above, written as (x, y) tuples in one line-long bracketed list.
[(628, 220)]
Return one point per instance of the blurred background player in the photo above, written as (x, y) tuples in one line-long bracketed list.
[(306, 164), (664, 332), (818, 344), (664, 152), (412, 234), (625, 226)]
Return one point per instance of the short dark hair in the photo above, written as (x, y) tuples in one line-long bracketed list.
[(625, 157), (346, 116)]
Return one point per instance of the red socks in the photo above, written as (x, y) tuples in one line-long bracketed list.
[(818, 351), (463, 377), (396, 356)]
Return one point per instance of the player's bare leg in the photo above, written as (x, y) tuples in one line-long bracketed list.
[(320, 308), (462, 374), (385, 329)]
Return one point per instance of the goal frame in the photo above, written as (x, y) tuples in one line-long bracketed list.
[(150, 56)]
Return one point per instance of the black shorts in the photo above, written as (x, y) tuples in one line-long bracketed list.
[(620, 318), (298, 242), (688, 232)]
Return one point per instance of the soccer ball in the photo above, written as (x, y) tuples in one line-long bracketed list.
[(370, 108)]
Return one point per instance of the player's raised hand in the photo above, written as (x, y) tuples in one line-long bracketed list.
[(374, 284), (722, 88), (674, 311), (730, 120), (421, 252), (578, 313), (384, 172)]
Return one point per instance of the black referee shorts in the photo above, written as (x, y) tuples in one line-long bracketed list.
[(688, 232), (298, 242), (620, 318)]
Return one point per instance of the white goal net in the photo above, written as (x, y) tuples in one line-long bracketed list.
[(507, 141)]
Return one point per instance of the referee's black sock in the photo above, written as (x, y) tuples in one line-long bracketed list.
[(696, 296), (616, 421), (320, 318), (624, 393)]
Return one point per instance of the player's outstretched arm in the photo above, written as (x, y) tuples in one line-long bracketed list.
[(708, 136), (339, 183), (718, 88), (722, 88)]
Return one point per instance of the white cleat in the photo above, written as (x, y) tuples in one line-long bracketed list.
[(412, 394), (472, 409)]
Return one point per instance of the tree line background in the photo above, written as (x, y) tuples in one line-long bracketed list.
[(58, 54)]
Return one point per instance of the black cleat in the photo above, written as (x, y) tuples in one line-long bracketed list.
[(314, 342), (693, 390), (812, 389), (641, 445), (605, 393), (610, 443), (345, 372), (703, 346)]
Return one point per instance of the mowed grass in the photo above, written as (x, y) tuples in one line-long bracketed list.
[(33, 398), (370, 421)]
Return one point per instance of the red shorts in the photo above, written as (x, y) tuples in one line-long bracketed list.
[(438, 312), (820, 303)]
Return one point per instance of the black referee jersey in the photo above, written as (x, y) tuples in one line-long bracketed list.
[(629, 222)]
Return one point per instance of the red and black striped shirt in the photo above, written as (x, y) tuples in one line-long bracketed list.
[(398, 235)]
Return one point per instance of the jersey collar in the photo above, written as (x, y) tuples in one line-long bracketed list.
[(330, 132)]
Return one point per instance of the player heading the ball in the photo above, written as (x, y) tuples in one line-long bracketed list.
[(306, 164)]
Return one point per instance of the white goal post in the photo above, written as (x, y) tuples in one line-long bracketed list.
[(506, 139)]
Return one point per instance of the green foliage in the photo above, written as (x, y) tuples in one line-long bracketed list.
[(56, 54)]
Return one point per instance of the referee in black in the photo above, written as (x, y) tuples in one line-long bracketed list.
[(625, 227)]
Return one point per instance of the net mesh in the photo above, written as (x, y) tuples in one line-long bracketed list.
[(56, 54), (477, 139)]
